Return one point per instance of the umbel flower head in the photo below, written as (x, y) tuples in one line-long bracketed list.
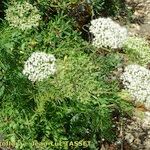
[(136, 80), (23, 15), (39, 66), (138, 50), (107, 33)]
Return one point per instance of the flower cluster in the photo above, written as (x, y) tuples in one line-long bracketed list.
[(23, 15), (39, 66), (138, 50), (107, 33), (136, 80)]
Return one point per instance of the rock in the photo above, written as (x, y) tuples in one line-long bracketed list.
[(141, 18), (130, 137), (137, 133)]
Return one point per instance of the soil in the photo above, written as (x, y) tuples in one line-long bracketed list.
[(141, 18)]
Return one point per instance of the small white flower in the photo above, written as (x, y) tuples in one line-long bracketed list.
[(39, 66), (138, 50), (107, 33), (23, 15), (136, 79)]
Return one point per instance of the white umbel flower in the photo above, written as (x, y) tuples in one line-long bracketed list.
[(23, 15), (39, 66), (138, 50), (136, 79), (107, 33)]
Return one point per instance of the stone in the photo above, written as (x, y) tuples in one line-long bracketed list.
[(141, 16), (137, 133)]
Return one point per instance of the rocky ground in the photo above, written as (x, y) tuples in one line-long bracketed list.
[(141, 17), (134, 132), (137, 132)]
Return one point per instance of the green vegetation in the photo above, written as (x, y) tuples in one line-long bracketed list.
[(138, 50), (75, 104)]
